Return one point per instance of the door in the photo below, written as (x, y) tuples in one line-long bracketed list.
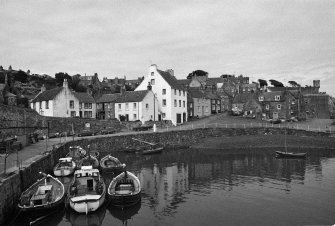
[(80, 114), (159, 117), (178, 118), (184, 117), (275, 115)]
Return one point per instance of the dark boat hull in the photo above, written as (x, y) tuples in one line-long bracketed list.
[(124, 200), (280, 154), (152, 151)]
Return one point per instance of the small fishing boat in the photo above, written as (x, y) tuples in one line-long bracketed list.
[(111, 164), (124, 190), (286, 154), (76, 153), (43, 197), (282, 154), (92, 219), (88, 160), (64, 167), (87, 190), (152, 150)]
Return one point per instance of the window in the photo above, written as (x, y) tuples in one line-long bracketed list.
[(127, 106), (164, 102), (293, 101), (206, 108), (71, 104), (120, 107), (152, 73), (179, 103), (40, 104), (135, 117), (267, 107), (184, 103), (152, 81), (163, 115), (80, 105), (164, 91), (179, 92), (90, 105), (261, 98), (134, 106), (73, 114), (85, 105), (87, 114), (183, 93), (277, 98), (175, 103), (175, 92), (278, 106), (199, 109), (34, 106), (47, 104), (147, 106)]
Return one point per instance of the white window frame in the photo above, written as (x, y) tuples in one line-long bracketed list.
[(278, 106), (277, 98), (267, 107), (261, 98)]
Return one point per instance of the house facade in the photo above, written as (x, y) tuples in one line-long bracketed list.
[(63, 102), (201, 104), (171, 96), (275, 105)]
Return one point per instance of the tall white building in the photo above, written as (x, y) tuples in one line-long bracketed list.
[(171, 96)]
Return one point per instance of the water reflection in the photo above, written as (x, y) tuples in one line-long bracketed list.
[(92, 219), (124, 215)]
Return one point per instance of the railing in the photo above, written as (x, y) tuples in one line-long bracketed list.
[(296, 126)]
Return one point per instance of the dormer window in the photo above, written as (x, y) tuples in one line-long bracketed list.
[(277, 98), (152, 73), (261, 98)]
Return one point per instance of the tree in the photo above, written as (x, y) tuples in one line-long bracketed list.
[(262, 82), (275, 83), (197, 73), (21, 76), (294, 83), (60, 76)]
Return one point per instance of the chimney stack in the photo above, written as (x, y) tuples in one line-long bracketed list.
[(65, 84), (43, 89), (123, 90)]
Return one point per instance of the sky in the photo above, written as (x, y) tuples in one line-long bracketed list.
[(283, 39)]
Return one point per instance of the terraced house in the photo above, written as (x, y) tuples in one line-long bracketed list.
[(63, 102), (171, 96)]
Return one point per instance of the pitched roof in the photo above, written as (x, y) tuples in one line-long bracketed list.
[(108, 98), (196, 93), (184, 81), (212, 96), (171, 80), (214, 81), (84, 97), (47, 95), (132, 96), (270, 96)]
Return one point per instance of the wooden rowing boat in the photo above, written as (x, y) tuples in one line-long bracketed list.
[(64, 167), (111, 164), (124, 190), (44, 196)]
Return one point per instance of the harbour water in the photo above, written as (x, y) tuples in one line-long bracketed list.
[(216, 187)]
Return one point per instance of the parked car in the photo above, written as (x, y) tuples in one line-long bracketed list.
[(86, 133), (275, 121), (107, 131)]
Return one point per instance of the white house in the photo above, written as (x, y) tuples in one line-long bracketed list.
[(63, 102), (137, 105), (171, 96)]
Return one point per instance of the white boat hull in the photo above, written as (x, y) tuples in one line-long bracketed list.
[(86, 204)]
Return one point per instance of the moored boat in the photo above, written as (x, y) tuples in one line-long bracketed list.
[(152, 150), (44, 196), (124, 190), (290, 154), (87, 190), (76, 153), (64, 167), (111, 164), (88, 160)]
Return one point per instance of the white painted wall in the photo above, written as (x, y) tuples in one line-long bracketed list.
[(170, 110)]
